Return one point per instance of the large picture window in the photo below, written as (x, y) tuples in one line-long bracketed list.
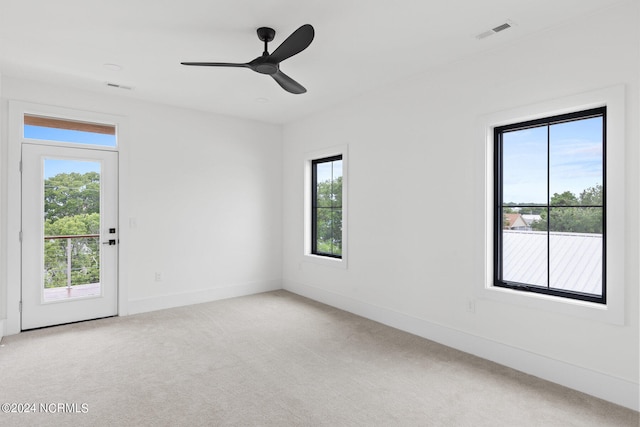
[(550, 205), (326, 206)]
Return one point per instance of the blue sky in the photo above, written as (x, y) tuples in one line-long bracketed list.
[(324, 170), (575, 158), (53, 167), (65, 135)]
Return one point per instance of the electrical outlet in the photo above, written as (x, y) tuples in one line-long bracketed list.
[(158, 277)]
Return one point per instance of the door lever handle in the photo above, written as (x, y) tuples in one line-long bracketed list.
[(110, 242)]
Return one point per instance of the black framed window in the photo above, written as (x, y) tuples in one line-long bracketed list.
[(326, 206), (550, 205)]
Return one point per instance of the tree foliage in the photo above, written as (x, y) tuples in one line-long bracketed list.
[(574, 213), (329, 217), (73, 225), (68, 194)]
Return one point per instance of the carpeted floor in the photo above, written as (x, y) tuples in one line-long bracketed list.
[(273, 359)]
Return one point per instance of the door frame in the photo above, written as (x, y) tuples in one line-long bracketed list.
[(37, 310), (17, 109)]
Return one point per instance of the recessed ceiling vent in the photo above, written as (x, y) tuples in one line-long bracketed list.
[(117, 86), (504, 26)]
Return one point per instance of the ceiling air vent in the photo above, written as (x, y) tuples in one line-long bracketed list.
[(501, 27), (505, 25), (119, 86)]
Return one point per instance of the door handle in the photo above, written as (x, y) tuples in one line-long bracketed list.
[(110, 242)]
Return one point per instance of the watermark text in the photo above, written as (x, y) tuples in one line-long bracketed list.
[(44, 408)]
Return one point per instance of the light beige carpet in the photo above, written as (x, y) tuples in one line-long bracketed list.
[(274, 359)]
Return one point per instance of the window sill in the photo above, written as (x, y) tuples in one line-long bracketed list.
[(613, 312), (326, 261), (606, 313)]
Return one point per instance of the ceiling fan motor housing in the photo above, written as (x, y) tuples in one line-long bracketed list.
[(266, 34), (267, 68)]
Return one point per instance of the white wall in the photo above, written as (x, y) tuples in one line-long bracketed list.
[(415, 224), (3, 190), (203, 190)]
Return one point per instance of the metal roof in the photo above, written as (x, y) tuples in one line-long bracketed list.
[(576, 259)]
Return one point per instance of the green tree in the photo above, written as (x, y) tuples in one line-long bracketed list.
[(69, 194), (73, 225), (591, 196), (571, 213), (85, 255), (71, 208), (564, 199), (329, 217)]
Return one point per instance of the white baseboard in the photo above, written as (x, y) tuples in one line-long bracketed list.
[(616, 390), (161, 302)]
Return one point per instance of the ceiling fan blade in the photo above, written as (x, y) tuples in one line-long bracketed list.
[(288, 83), (215, 64), (298, 41)]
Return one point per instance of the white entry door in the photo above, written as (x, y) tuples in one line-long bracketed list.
[(69, 234)]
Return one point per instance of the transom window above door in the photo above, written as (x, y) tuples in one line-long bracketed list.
[(44, 128)]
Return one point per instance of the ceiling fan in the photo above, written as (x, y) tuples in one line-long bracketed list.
[(268, 63)]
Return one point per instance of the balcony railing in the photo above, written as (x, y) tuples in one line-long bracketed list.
[(70, 261)]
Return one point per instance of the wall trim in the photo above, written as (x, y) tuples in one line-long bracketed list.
[(613, 312), (613, 389), (162, 302), (342, 150), (15, 113)]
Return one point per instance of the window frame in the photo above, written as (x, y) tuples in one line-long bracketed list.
[(73, 120), (314, 206), (613, 312), (498, 169), (307, 255)]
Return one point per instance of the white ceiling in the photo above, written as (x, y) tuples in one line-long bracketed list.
[(359, 45)]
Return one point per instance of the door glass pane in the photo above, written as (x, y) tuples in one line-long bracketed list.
[(71, 229)]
